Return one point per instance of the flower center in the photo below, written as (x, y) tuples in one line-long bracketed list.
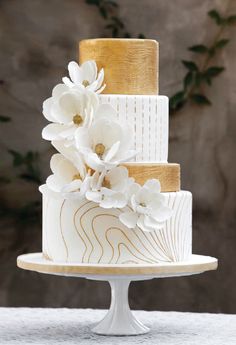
[(143, 204), (76, 177), (85, 83), (106, 183), (99, 149), (77, 119)]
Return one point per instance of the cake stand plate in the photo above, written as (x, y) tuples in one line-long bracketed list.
[(119, 320)]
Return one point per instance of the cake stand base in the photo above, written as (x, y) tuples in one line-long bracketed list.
[(119, 320)]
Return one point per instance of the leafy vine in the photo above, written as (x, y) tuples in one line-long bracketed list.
[(198, 74), (108, 10)]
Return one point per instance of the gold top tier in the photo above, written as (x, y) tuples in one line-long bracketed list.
[(130, 65)]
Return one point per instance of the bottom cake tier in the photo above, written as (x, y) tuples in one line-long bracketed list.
[(83, 232)]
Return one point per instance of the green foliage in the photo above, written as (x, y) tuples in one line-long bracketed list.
[(109, 12), (199, 74), (220, 20), (199, 48), (200, 99), (4, 118), (29, 164)]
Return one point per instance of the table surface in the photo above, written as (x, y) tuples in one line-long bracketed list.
[(72, 326)]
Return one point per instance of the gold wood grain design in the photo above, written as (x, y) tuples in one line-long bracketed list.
[(77, 231), (168, 243), (117, 56), (167, 173), (62, 235), (81, 226), (124, 245), (132, 244), (146, 236), (93, 229)]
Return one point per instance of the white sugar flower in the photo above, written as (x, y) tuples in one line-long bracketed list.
[(105, 144), (66, 179), (68, 109), (71, 154), (148, 210), (85, 76), (110, 189)]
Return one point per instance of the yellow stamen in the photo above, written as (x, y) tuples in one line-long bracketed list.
[(77, 119), (77, 177), (106, 183), (99, 149), (85, 83)]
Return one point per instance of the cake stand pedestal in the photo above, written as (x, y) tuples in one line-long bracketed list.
[(119, 320)]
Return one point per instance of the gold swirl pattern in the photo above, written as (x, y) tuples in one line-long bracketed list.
[(95, 235)]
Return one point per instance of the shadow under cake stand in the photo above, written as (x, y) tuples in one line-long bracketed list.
[(119, 320)]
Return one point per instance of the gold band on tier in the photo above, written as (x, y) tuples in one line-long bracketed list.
[(130, 65), (167, 173)]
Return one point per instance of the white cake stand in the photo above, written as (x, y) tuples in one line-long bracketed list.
[(119, 320)]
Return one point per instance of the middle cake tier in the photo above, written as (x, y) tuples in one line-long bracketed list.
[(148, 115)]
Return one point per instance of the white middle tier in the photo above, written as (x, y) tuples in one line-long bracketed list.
[(149, 117)]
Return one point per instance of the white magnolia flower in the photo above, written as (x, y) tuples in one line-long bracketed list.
[(148, 211), (110, 189), (66, 179), (71, 154), (68, 109), (85, 76), (105, 144)]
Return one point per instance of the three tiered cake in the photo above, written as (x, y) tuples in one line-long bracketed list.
[(112, 196)]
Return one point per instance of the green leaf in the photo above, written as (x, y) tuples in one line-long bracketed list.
[(214, 71), (115, 32), (127, 35), (111, 3), (177, 100), (190, 65), (93, 2), (4, 118), (18, 158), (200, 99), (188, 80), (231, 20), (199, 48), (119, 23), (215, 16), (141, 36), (221, 43), (103, 12)]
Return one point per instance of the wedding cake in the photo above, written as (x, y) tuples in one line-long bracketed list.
[(112, 197)]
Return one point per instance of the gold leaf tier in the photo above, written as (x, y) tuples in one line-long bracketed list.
[(167, 173), (131, 65)]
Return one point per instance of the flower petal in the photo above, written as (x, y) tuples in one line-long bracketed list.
[(47, 109), (129, 219), (53, 131), (93, 196), (72, 186), (67, 82), (75, 72), (154, 185), (162, 214), (89, 71), (112, 152)]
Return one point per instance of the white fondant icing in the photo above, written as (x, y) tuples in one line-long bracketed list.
[(148, 116), (76, 231)]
